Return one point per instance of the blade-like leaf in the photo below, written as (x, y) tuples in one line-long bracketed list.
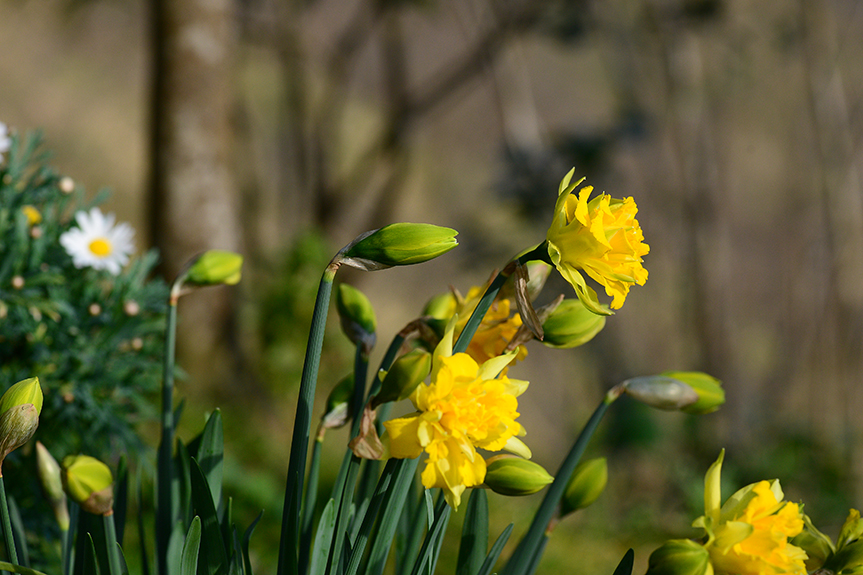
[(474, 534), (495, 550), (625, 565), (212, 558), (247, 536), (89, 565), (18, 533), (175, 549), (323, 539), (121, 498), (191, 547), (210, 454)]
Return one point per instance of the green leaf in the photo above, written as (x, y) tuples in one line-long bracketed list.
[(474, 534), (121, 497), (175, 549), (213, 558), (189, 556), (210, 454), (495, 551), (389, 521), (18, 533), (430, 548), (323, 540), (625, 565), (247, 536), (89, 565)]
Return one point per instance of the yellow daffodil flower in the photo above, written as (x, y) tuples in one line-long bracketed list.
[(749, 534), (463, 408), (600, 237)]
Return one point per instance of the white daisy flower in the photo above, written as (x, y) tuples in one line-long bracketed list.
[(5, 140), (98, 243)]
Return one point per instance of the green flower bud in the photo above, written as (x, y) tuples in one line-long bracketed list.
[(25, 391), (17, 426), (357, 316), (585, 486), (679, 557), (709, 390), (514, 476), (441, 306), (571, 324), (215, 267), (338, 408), (398, 245), (52, 484), (89, 483), (660, 391), (406, 373), (852, 529)]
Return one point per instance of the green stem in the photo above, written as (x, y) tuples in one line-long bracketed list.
[(8, 537), (309, 504), (114, 565), (4, 566), (525, 553), (165, 512), (361, 369), (288, 563), (540, 252)]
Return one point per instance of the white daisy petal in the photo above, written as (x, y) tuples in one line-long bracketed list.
[(98, 243)]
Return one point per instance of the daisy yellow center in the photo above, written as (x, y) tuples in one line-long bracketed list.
[(100, 247)]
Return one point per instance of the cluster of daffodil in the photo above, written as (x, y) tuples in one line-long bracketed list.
[(453, 363), (756, 532), (75, 309)]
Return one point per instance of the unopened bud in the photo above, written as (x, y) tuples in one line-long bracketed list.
[(89, 483), (52, 484), (338, 408), (680, 557), (442, 306), (406, 373), (660, 391), (25, 391), (398, 245), (357, 316), (514, 476), (585, 486), (571, 324), (17, 426), (709, 389), (215, 267)]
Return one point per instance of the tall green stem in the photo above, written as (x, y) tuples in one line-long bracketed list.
[(8, 537), (525, 553), (288, 563), (165, 512)]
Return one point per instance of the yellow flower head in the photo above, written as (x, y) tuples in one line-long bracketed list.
[(497, 329), (600, 237), (462, 409), (749, 534)]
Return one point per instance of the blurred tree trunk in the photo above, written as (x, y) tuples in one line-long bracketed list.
[(193, 199)]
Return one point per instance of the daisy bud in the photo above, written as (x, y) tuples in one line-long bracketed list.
[(215, 267), (570, 325), (406, 373), (357, 316), (515, 476), (89, 483), (398, 245), (585, 486), (660, 391), (709, 390), (23, 392), (66, 185), (339, 403), (52, 484), (680, 557)]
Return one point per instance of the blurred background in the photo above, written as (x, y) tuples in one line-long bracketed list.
[(284, 128)]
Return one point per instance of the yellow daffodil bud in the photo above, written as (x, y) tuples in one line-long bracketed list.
[(585, 486), (89, 483), (514, 476), (17, 426), (357, 316), (52, 484), (660, 391), (406, 373), (709, 389), (442, 306), (215, 267), (25, 391), (338, 408), (398, 245), (571, 324), (680, 557), (847, 558)]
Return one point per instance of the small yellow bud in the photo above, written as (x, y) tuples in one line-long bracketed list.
[(571, 324), (357, 316), (660, 391), (585, 486), (215, 267), (709, 389), (514, 476), (680, 557), (398, 245), (52, 484), (33, 215), (25, 391), (406, 373), (89, 483)]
